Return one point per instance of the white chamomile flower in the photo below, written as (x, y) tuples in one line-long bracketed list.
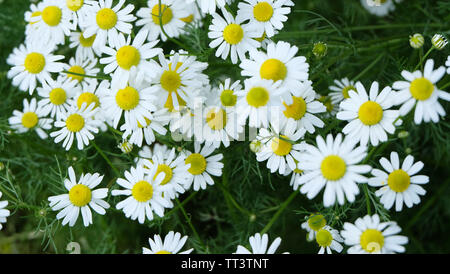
[(303, 108), (31, 119), (173, 11), (144, 193), (57, 96), (125, 146), (369, 116), (210, 6), (231, 37), (134, 100), (81, 197), (439, 41), (30, 15), (32, 62), (84, 46), (128, 58), (266, 15), (379, 7), (420, 90), (331, 109), (259, 245), (4, 213), (53, 24), (281, 146), (202, 166), (340, 90), (333, 164), (79, 66), (220, 126), (278, 64), (329, 239), (172, 244), (77, 10), (370, 236), (399, 184), (155, 123), (106, 22), (146, 153), (315, 223), (79, 124), (227, 92), (175, 171), (257, 101), (416, 41)]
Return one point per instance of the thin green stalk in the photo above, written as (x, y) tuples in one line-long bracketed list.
[(423, 58), (368, 68), (116, 171), (173, 210), (188, 220), (366, 194), (160, 15), (278, 213), (87, 76), (445, 86), (232, 200)]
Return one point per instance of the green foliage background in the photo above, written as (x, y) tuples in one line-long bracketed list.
[(248, 198)]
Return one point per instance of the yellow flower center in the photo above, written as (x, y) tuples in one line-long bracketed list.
[(399, 180), (163, 252), (29, 119), (370, 113), (346, 90), (166, 17), (52, 15), (273, 69), (80, 195), (258, 97), (58, 96), (142, 191), (78, 70), (316, 222), (34, 62), (169, 102), (74, 5), (233, 34), (297, 110), (216, 120), (87, 42), (198, 163), (88, 98), (167, 173), (227, 98), (106, 18), (170, 80), (281, 147), (127, 98), (188, 19), (263, 11), (75, 122), (128, 56), (421, 88), (372, 240), (324, 238), (333, 167)]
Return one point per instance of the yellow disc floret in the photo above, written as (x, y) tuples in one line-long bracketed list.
[(169, 102), (233, 34), (77, 70), (297, 110), (106, 18), (166, 17), (263, 11), (75, 122), (170, 80), (127, 98), (324, 238), (29, 119), (87, 42), (52, 15), (88, 98), (216, 120), (316, 222), (142, 191), (168, 173), (228, 98), (372, 240), (399, 180), (57, 96), (258, 97), (128, 56), (80, 195), (370, 113), (34, 62), (281, 147), (163, 252), (346, 90), (74, 5), (333, 167), (198, 163), (273, 69), (421, 89)]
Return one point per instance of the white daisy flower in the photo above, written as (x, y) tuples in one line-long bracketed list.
[(331, 108), (106, 22), (210, 6), (329, 239), (278, 64), (94, 93), (84, 46), (78, 123), (259, 245), (30, 62), (227, 92), (173, 11), (4, 213), (30, 17), (420, 90), (31, 119), (370, 236), (79, 65), (314, 224), (379, 7), (146, 153), (57, 97), (53, 24), (144, 193), (257, 101), (202, 166), (77, 10), (172, 244), (281, 146), (126, 58), (341, 90), (333, 164), (220, 126), (155, 123), (231, 37), (135, 101), (125, 146), (369, 116), (266, 15), (81, 197), (399, 184)]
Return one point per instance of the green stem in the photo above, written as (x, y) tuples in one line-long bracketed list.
[(445, 86), (368, 68), (278, 213), (366, 194), (423, 58), (231, 199), (160, 16), (173, 210), (188, 220), (106, 159), (87, 76)]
